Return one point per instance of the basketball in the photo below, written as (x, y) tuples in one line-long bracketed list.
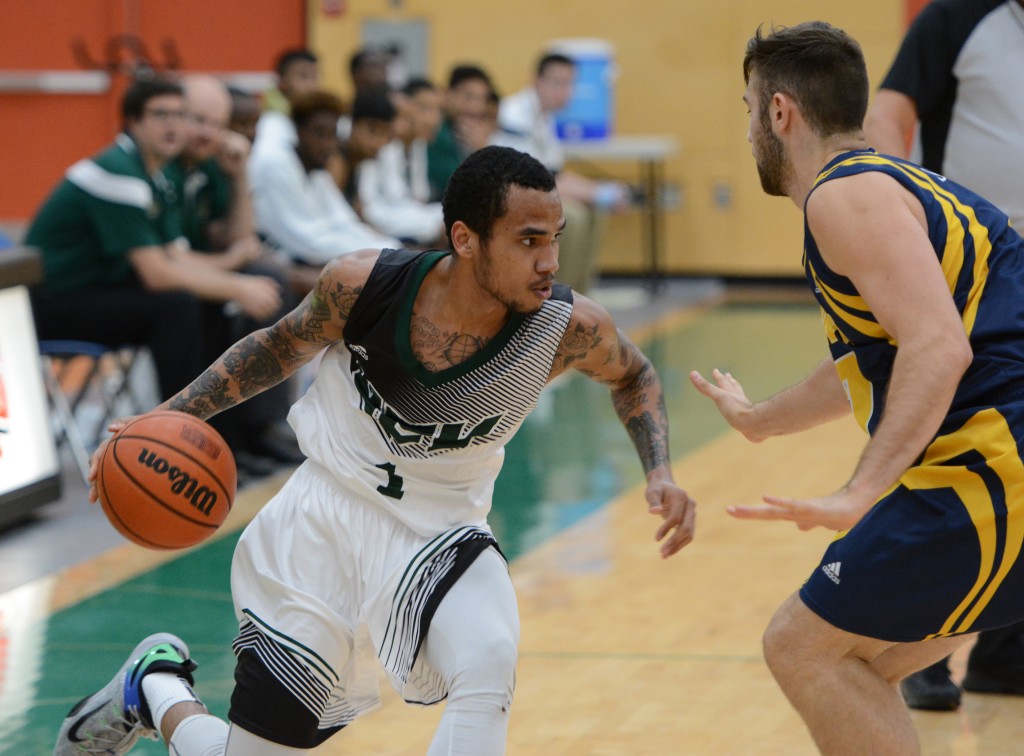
[(166, 480)]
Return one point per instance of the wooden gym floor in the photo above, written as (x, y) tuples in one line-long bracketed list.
[(622, 652)]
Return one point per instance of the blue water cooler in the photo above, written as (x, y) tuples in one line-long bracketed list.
[(589, 113)]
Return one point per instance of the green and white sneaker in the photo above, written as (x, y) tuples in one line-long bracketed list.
[(111, 720)]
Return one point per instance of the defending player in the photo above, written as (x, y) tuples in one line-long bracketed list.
[(919, 281), (433, 361)]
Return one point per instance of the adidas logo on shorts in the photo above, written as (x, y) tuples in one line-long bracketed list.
[(832, 570)]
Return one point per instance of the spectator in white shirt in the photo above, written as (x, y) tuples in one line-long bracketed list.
[(374, 116), (393, 189), (530, 113), (299, 208), (298, 73)]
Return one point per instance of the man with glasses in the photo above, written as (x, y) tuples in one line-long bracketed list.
[(108, 236)]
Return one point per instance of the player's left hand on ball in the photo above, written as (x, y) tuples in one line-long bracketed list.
[(678, 512), (94, 461)]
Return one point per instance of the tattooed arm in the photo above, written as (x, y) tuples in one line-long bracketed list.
[(268, 356), (594, 346)]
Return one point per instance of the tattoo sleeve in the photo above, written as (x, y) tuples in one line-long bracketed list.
[(265, 358), (576, 345), (640, 405)]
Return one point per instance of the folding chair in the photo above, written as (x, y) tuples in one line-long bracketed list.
[(106, 383)]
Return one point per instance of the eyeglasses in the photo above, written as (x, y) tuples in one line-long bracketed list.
[(206, 123), (162, 114)]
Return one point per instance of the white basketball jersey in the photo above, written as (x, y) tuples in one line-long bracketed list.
[(425, 446)]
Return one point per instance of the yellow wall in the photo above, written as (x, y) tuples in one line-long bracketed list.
[(679, 73)]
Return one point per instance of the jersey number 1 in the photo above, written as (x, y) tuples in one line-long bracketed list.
[(394, 484)]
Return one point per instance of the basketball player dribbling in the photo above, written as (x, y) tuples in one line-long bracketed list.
[(433, 361)]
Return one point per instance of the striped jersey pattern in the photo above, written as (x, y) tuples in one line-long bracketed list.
[(304, 673), (427, 578), (483, 399)]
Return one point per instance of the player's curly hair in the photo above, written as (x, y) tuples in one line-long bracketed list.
[(476, 193)]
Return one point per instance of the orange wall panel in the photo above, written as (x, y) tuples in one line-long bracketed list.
[(41, 136), (37, 35), (226, 36), (43, 133)]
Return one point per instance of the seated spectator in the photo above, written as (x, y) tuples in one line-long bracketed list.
[(368, 70), (211, 179), (530, 113), (299, 208), (108, 236), (245, 113), (394, 192), (499, 136), (373, 126), (463, 129), (298, 73), (217, 219)]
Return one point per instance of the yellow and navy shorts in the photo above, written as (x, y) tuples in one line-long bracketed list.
[(940, 553)]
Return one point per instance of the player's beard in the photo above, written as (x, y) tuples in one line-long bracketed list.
[(489, 278), (770, 156)]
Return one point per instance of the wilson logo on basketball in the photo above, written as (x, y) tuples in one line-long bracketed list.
[(182, 483)]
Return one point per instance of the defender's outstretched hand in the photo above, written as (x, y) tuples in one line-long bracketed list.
[(840, 511), (727, 394), (678, 512)]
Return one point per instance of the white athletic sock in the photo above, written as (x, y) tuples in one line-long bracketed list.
[(162, 690), (199, 735)]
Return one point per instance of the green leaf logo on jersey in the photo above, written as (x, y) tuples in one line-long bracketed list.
[(433, 436)]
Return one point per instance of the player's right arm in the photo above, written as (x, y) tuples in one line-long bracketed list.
[(817, 399), (268, 356)]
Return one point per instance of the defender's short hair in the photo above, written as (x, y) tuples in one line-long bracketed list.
[(821, 67)]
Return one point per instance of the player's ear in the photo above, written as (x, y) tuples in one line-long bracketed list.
[(780, 111), (465, 241)]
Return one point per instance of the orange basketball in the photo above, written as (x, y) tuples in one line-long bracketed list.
[(167, 480)]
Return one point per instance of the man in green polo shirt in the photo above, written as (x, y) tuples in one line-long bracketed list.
[(109, 240), (463, 130)]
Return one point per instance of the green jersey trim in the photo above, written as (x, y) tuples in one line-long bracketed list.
[(404, 331)]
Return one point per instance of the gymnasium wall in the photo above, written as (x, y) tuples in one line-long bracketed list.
[(680, 74)]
